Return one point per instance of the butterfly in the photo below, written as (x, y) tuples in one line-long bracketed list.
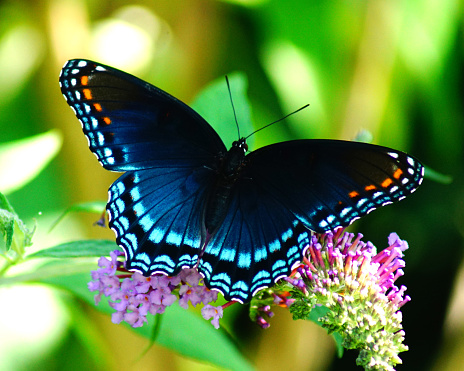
[(242, 219)]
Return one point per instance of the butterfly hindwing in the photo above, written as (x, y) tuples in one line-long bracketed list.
[(130, 124), (258, 242), (155, 216)]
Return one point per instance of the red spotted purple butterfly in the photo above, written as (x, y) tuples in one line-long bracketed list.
[(184, 200)]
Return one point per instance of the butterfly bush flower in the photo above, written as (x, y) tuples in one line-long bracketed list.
[(356, 285), (346, 276), (134, 296)]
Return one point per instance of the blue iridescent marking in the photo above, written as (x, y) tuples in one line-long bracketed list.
[(227, 254), (260, 253), (132, 240), (278, 265), (139, 209), (293, 252), (286, 235), (135, 194), (146, 222), (240, 288), (101, 138), (244, 260), (323, 224), (274, 246), (78, 110), (174, 238), (377, 195), (156, 235), (261, 276), (143, 257), (330, 218), (139, 264), (361, 202), (124, 222), (94, 122), (188, 260), (120, 206), (206, 269), (163, 260), (224, 277), (302, 236), (214, 249), (193, 242)]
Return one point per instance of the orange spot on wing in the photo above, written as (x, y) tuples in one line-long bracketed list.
[(84, 80), (98, 107), (386, 183), (107, 120), (397, 174), (370, 187), (353, 194), (87, 94)]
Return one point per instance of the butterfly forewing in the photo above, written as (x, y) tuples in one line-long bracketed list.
[(327, 183), (131, 124)]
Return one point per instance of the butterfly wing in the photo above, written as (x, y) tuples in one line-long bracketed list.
[(156, 215), (131, 124), (289, 188), (328, 184), (258, 242), (168, 151)]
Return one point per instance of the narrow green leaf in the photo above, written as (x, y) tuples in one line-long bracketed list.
[(5, 204), (78, 249), (24, 159), (6, 229), (436, 176)]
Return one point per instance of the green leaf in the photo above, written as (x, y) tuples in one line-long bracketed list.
[(16, 236), (5, 204), (214, 105), (436, 176), (78, 249), (24, 159), (318, 312), (180, 330)]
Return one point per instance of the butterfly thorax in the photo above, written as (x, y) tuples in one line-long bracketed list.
[(228, 171)]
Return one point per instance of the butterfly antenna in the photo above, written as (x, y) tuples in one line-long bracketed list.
[(233, 107), (275, 122)]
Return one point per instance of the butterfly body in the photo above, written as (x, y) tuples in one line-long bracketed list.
[(227, 173), (243, 220)]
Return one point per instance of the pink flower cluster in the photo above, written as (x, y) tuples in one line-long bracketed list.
[(134, 296)]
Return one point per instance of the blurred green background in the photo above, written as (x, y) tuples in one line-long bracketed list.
[(394, 68)]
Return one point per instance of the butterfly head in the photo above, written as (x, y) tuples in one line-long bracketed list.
[(241, 144)]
